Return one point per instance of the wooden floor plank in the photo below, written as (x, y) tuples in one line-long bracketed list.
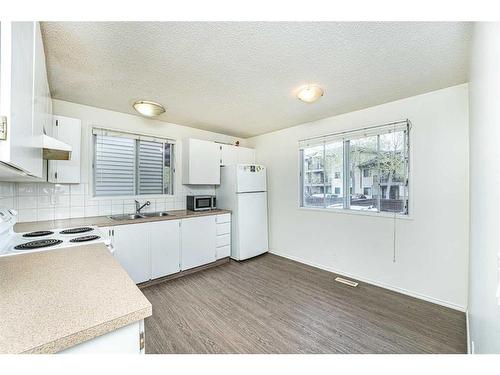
[(270, 304)]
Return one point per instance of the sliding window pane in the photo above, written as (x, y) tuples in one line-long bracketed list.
[(150, 167), (393, 172), (334, 185), (363, 173), (313, 177), (168, 170), (114, 166)]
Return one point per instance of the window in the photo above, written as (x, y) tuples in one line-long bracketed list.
[(375, 161), (131, 164)]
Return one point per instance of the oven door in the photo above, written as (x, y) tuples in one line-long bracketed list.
[(203, 203)]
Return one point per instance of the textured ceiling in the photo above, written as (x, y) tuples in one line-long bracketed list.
[(239, 78)]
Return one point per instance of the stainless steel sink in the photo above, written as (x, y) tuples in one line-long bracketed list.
[(156, 214), (127, 217)]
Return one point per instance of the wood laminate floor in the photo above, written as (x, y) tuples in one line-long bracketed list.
[(270, 304)]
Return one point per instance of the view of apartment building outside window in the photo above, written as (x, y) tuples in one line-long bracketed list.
[(377, 165)]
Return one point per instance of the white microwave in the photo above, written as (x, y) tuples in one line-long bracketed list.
[(200, 202)]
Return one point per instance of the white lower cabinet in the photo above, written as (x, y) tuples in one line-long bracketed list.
[(198, 241), (223, 252), (147, 250), (156, 249), (223, 239), (125, 340), (131, 250), (164, 245)]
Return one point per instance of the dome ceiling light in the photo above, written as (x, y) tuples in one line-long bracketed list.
[(148, 108), (310, 93)]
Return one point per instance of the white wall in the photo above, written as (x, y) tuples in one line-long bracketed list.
[(484, 309), (431, 247), (44, 201)]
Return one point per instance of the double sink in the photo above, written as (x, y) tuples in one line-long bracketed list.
[(140, 216)]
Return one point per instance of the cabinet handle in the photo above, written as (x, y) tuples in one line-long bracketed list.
[(141, 341)]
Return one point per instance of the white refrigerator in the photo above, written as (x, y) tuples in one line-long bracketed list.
[(243, 191)]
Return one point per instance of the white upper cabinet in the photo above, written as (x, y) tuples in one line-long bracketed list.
[(42, 101), (246, 155), (230, 155), (67, 130), (200, 162), (25, 104)]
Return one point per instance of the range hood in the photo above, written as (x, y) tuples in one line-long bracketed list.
[(54, 149)]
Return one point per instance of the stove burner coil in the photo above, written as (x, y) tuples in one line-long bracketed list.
[(76, 230), (38, 244), (39, 233), (84, 238)]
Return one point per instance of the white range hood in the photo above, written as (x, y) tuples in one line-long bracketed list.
[(54, 149)]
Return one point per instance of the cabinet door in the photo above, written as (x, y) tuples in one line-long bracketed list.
[(246, 155), (132, 250), (197, 241), (22, 146), (201, 162), (164, 244), (41, 93), (223, 251), (229, 155), (67, 130)]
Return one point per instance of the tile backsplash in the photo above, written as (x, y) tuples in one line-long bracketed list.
[(44, 201)]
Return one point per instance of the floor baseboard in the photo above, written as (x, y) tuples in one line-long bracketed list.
[(368, 281)]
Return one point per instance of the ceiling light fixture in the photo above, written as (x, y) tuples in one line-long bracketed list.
[(148, 109), (310, 93)]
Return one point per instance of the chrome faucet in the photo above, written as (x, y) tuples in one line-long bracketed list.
[(138, 206)]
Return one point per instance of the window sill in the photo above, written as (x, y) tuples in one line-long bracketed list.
[(341, 211), (125, 197)]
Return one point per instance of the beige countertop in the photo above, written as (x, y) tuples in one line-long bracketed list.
[(52, 300), (105, 221)]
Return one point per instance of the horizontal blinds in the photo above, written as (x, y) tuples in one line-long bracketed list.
[(150, 167), (353, 134), (141, 137), (114, 166)]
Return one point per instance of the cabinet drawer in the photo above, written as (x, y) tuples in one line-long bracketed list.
[(223, 240), (223, 252), (225, 218), (223, 228)]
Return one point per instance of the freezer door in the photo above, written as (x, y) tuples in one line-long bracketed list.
[(250, 177), (251, 225)]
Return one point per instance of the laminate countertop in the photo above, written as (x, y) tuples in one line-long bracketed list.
[(105, 221), (52, 300)]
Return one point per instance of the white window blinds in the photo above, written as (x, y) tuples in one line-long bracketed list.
[(128, 164), (150, 167), (114, 166)]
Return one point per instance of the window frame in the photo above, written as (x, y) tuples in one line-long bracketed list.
[(353, 134), (92, 169)]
